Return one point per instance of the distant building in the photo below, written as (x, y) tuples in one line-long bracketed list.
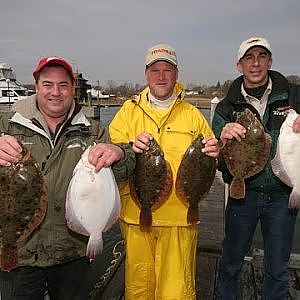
[(97, 94), (191, 93), (81, 88), (10, 89)]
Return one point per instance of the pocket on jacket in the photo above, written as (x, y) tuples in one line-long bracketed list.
[(178, 138)]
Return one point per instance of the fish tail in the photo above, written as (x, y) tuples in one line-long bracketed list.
[(192, 215), (237, 188), (145, 218), (94, 247), (9, 258)]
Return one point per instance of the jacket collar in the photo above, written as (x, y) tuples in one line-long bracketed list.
[(28, 109), (280, 85)]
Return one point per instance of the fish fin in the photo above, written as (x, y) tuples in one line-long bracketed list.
[(112, 220), (237, 188), (166, 190), (278, 168), (193, 215), (169, 183), (204, 197), (39, 214), (9, 258), (294, 199), (133, 192), (145, 218), (94, 246), (72, 220), (179, 188)]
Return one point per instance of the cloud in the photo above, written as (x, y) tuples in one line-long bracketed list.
[(107, 40)]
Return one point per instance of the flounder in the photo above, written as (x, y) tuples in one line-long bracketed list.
[(286, 163), (151, 182), (23, 205), (249, 156), (92, 203), (194, 178)]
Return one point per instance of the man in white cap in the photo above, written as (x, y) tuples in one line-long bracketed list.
[(268, 94), (56, 131), (160, 262)]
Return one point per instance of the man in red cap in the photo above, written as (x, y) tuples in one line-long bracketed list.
[(57, 132)]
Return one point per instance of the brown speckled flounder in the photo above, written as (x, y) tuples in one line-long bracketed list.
[(248, 157), (151, 183), (195, 177), (22, 206)]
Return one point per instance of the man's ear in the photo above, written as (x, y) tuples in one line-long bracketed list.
[(239, 67), (270, 62)]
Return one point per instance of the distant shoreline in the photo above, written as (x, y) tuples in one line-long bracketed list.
[(200, 102)]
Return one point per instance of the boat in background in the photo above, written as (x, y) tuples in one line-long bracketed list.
[(10, 89)]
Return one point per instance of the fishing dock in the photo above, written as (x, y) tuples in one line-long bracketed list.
[(211, 233), (118, 101)]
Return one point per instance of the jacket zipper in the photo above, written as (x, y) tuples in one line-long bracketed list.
[(159, 127)]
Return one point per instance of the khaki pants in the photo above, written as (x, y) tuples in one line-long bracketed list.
[(160, 264)]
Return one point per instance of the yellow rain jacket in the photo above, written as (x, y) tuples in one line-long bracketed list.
[(174, 129)]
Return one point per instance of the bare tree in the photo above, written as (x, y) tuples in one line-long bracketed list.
[(293, 79)]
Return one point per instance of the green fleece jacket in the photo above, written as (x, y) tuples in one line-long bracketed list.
[(52, 242)]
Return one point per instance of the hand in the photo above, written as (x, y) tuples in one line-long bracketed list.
[(211, 146), (232, 131), (10, 150), (142, 142), (104, 155), (296, 125)]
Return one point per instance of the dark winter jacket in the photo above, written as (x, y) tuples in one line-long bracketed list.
[(283, 96)]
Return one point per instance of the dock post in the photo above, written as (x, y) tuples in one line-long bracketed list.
[(213, 104)]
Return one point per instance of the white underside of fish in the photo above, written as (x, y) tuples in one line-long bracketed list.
[(286, 163), (92, 203)]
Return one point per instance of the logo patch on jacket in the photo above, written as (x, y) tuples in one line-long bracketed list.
[(277, 117), (281, 111), (76, 143)]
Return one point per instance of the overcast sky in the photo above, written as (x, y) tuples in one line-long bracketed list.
[(107, 40)]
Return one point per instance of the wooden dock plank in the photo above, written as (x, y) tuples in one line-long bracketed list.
[(247, 289), (249, 284), (116, 288), (206, 274), (211, 226)]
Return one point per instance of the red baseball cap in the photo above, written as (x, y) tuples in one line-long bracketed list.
[(53, 60)]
